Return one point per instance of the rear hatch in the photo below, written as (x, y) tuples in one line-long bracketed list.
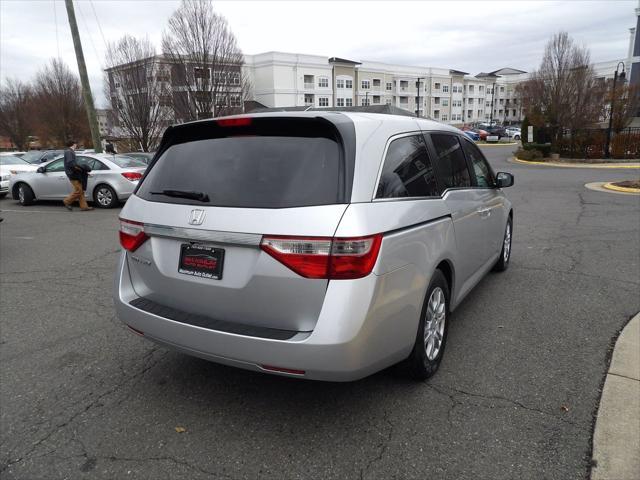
[(214, 193)]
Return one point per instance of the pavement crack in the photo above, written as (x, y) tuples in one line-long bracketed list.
[(383, 447), (516, 403)]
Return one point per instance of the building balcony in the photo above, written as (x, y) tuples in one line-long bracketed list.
[(309, 86)]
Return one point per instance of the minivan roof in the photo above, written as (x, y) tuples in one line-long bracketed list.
[(402, 121)]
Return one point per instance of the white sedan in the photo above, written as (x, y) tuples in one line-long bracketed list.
[(11, 165), (113, 179)]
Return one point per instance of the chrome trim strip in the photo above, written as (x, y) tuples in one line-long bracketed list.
[(213, 236)]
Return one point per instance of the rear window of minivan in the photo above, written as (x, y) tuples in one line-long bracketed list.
[(250, 167)]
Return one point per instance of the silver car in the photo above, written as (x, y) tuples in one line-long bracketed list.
[(320, 245), (112, 180)]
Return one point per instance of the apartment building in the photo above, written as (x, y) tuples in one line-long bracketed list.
[(294, 80)]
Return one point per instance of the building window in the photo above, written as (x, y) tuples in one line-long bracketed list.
[(404, 100), (348, 84), (481, 89), (200, 72), (323, 82), (487, 104), (366, 84), (501, 101), (445, 102), (340, 102), (308, 99), (436, 100), (376, 99), (323, 101), (235, 101), (389, 86), (436, 114), (387, 101), (470, 88), (470, 101), (445, 88), (348, 102), (234, 78), (499, 112), (514, 113), (309, 81), (469, 113), (501, 89), (340, 83), (445, 118), (365, 102), (376, 83), (479, 113), (437, 86)]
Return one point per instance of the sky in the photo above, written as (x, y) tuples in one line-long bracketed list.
[(471, 36)]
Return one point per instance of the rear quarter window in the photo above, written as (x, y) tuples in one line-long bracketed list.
[(407, 170)]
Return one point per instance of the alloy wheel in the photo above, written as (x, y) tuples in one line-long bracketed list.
[(21, 194), (507, 242), (434, 323), (104, 196)]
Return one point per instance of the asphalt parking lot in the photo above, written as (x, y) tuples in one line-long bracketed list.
[(82, 397)]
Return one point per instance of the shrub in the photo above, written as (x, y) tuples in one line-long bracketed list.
[(543, 148), (529, 154)]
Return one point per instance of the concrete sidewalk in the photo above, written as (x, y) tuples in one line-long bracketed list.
[(616, 440)]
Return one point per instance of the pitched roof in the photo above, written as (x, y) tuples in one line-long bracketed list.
[(342, 60)]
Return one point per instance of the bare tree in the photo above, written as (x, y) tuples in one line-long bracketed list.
[(59, 107), (16, 102), (626, 101), (563, 92), (137, 86), (206, 62)]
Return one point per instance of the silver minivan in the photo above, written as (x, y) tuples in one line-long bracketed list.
[(320, 245)]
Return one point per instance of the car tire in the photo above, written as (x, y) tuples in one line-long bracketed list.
[(4, 194), (433, 328), (505, 254), (25, 195), (105, 197), (516, 137)]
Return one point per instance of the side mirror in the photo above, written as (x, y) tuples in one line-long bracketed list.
[(504, 179), (40, 170)]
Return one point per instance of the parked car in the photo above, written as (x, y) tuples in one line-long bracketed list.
[(145, 157), (10, 165), (481, 133), (513, 132), (112, 180), (475, 136), (41, 156), (12, 154), (320, 245), (496, 131)]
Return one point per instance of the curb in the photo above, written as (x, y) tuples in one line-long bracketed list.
[(599, 187), (634, 166), (616, 188), (616, 437), (497, 144)]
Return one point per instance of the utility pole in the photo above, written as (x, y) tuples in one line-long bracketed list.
[(84, 79)]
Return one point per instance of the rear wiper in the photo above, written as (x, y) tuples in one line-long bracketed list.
[(200, 196)]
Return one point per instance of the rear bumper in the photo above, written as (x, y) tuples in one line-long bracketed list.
[(362, 328), (4, 186)]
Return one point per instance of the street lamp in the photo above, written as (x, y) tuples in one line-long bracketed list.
[(418, 98), (607, 152)]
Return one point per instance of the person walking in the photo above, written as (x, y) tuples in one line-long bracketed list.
[(75, 174)]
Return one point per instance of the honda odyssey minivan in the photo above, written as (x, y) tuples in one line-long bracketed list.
[(319, 245)]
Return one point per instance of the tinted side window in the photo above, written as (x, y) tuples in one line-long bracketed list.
[(57, 166), (451, 162), (484, 176), (407, 170)]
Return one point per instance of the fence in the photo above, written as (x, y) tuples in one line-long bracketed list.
[(590, 143)]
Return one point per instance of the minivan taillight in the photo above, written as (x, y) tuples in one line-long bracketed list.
[(325, 257), (131, 234)]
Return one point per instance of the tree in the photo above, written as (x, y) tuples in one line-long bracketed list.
[(625, 100), (59, 108), (206, 62), (16, 101), (563, 92), (136, 84)]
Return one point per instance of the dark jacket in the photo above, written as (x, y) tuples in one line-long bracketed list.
[(84, 174), (71, 167)]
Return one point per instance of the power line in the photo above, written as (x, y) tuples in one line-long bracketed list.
[(55, 16), (86, 27), (98, 22)]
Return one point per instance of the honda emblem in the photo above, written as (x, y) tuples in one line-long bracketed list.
[(196, 217)]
